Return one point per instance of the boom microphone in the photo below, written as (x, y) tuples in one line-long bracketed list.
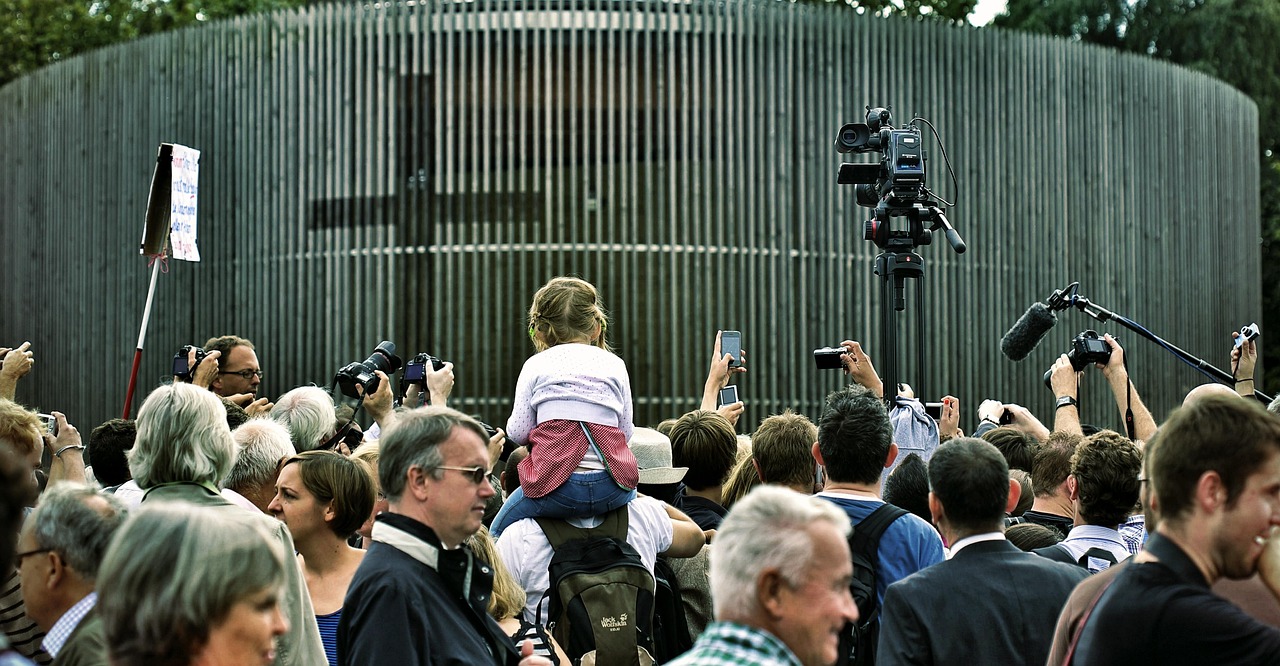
[(1032, 326)]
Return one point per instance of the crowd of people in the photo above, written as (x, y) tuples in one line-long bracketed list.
[(221, 528)]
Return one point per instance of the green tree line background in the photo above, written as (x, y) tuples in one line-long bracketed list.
[(1226, 39)]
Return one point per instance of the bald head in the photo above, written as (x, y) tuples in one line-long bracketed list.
[(1200, 392)]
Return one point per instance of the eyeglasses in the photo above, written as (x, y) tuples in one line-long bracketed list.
[(246, 374), (476, 474), (18, 557)]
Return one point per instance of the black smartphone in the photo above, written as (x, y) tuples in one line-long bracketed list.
[(731, 344), (934, 410), (728, 396)]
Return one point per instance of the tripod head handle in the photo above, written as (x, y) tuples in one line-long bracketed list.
[(953, 236)]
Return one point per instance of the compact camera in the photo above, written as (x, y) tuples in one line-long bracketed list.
[(180, 368), (354, 375), (828, 358)]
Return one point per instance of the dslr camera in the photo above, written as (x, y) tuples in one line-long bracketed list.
[(1087, 347), (361, 374), (415, 369), (180, 368)]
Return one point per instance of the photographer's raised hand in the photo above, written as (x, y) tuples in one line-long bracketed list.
[(17, 363), (1126, 394), (1244, 358), (66, 450), (259, 407), (381, 403), (1021, 418), (1065, 382), (732, 412), (857, 364), (439, 383), (949, 423), (207, 371), (718, 374)]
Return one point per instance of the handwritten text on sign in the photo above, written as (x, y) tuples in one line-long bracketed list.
[(182, 203)]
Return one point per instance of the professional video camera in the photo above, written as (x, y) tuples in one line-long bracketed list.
[(895, 187), (415, 369), (180, 367), (362, 374), (1086, 348)]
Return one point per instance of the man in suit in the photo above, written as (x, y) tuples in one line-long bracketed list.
[(990, 603), (59, 551)]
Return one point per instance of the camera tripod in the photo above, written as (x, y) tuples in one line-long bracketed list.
[(895, 265)]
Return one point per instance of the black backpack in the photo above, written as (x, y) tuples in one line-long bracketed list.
[(600, 592), (858, 639), (1059, 554), (670, 630)]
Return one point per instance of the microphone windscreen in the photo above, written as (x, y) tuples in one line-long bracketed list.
[(1027, 333)]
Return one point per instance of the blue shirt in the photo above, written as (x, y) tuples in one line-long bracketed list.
[(908, 545)]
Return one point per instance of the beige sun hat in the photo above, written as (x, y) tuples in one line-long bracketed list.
[(653, 456)]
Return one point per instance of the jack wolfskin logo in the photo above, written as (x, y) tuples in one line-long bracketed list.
[(614, 622)]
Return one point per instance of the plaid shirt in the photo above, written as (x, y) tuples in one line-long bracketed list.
[(731, 644), (61, 631)]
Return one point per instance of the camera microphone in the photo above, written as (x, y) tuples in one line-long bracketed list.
[(1030, 329)]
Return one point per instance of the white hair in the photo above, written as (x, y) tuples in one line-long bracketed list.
[(182, 436), (77, 521), (767, 529), (263, 444), (308, 413)]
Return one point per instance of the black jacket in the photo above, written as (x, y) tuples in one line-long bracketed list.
[(401, 610)]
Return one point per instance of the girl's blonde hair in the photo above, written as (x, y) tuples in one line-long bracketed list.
[(508, 598), (567, 309)]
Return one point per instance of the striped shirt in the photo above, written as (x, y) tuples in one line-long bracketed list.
[(23, 634), (329, 634)]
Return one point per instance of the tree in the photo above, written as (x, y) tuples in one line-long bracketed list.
[(1226, 39), (35, 33)]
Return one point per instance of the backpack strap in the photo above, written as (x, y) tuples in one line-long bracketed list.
[(560, 532), (868, 531)]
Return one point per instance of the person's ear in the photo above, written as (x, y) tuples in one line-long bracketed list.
[(935, 509), (756, 464), (329, 512), (1211, 492), (769, 590), (417, 483), (1015, 494), (817, 455), (893, 455)]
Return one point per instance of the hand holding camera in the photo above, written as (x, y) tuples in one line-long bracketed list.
[(1088, 347), (1244, 354)]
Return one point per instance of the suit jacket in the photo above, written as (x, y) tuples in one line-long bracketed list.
[(87, 644), (300, 646), (989, 604)]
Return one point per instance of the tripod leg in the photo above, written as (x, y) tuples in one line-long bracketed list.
[(888, 340)]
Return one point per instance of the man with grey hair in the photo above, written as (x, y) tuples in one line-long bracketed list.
[(183, 451), (420, 597), (308, 413), (59, 551), (263, 443), (780, 573)]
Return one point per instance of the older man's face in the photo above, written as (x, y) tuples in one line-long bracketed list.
[(33, 569), (455, 502), (812, 613)]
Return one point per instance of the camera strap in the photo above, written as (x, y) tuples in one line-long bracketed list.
[(1128, 401)]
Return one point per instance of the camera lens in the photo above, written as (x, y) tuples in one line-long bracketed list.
[(384, 358)]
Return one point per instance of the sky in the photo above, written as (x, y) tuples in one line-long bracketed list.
[(986, 10)]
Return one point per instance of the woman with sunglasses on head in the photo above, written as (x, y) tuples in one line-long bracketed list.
[(324, 498)]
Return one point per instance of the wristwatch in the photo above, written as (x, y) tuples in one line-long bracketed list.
[(1066, 400)]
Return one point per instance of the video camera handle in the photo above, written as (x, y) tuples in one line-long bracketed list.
[(1068, 297), (953, 237)]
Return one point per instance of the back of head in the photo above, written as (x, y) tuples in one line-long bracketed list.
[(1106, 467), (107, 449), (1052, 462), (77, 522), (414, 441), (16, 493), (970, 479), (20, 428), (511, 472), (308, 413), (1026, 495), (742, 480), (704, 442), (1030, 536), (854, 435), (567, 309), (173, 571), (783, 449), (262, 444), (369, 453), (907, 486), (333, 478), (768, 529), (182, 437), (1221, 434), (1017, 447)]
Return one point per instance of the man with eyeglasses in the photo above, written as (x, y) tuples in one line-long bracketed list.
[(239, 374), (419, 596)]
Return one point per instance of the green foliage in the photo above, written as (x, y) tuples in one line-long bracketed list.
[(1227, 39), (35, 33), (950, 11)]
